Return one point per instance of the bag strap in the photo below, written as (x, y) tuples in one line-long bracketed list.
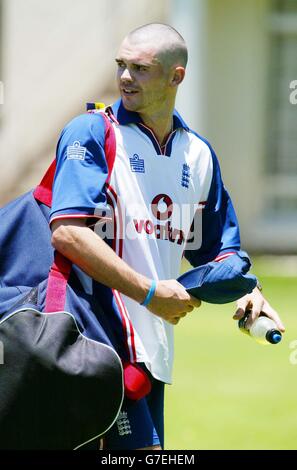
[(43, 192), (57, 283), (61, 268)]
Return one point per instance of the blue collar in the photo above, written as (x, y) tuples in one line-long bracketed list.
[(125, 117)]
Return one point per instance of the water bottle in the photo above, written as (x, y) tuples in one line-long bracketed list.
[(264, 330)]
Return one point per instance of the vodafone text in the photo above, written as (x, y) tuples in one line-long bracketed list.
[(162, 219)]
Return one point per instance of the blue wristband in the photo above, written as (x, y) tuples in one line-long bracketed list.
[(150, 293)]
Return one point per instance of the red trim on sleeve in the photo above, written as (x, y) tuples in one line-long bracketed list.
[(79, 216), (224, 256)]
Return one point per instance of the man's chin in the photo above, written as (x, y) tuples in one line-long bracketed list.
[(130, 106)]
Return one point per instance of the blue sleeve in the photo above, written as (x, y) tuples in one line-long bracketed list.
[(81, 168), (220, 230)]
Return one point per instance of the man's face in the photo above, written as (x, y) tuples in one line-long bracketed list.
[(142, 81)]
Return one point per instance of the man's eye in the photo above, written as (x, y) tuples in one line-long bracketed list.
[(141, 68)]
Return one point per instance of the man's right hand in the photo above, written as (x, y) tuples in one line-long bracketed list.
[(171, 301)]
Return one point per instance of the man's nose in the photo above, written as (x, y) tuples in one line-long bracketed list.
[(126, 75)]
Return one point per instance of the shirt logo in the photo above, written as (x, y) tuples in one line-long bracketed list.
[(186, 175), (123, 424), (162, 209), (137, 164), (76, 151)]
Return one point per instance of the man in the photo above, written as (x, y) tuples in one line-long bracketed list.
[(160, 165)]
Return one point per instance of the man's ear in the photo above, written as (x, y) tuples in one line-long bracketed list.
[(178, 76)]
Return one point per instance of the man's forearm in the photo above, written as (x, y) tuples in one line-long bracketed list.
[(88, 251)]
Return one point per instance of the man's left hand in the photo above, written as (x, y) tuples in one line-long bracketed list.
[(257, 304)]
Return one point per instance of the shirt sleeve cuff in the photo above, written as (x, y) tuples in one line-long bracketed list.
[(222, 256), (82, 214)]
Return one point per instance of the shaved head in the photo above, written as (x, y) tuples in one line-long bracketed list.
[(170, 46), (151, 65)]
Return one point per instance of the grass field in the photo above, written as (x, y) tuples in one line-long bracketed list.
[(229, 392)]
